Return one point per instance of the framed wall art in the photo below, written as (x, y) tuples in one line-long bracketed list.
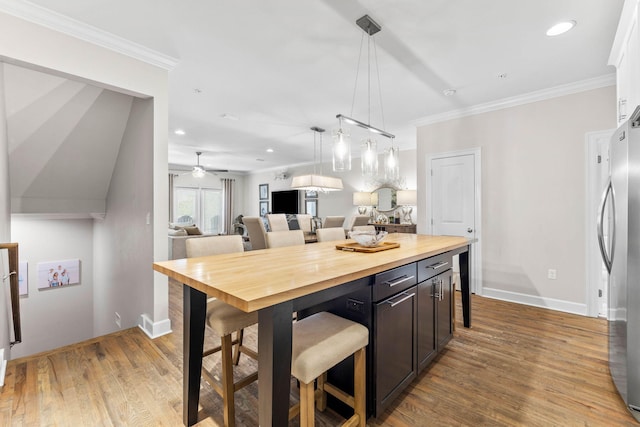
[(264, 208), (263, 191), (56, 274), (23, 278)]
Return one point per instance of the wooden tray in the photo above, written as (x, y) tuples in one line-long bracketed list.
[(355, 247)]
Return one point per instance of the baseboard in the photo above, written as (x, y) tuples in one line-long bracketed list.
[(154, 329), (3, 367), (536, 301)]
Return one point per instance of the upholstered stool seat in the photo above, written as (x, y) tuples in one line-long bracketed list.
[(225, 319), (320, 342)]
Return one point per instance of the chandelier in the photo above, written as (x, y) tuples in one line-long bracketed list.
[(316, 181), (369, 145)]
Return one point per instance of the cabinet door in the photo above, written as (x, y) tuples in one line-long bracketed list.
[(443, 310), (427, 346), (394, 353)]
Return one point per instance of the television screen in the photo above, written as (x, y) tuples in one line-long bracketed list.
[(285, 202)]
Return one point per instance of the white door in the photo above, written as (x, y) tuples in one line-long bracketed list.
[(452, 204), (453, 201)]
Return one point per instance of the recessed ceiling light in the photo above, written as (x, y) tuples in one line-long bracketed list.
[(269, 150), (449, 92), (179, 132), (561, 28)]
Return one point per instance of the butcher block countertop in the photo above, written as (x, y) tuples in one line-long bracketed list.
[(254, 280)]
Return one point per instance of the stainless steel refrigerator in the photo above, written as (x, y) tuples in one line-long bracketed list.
[(619, 239)]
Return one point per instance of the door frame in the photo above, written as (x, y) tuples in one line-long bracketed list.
[(593, 261), (475, 258)]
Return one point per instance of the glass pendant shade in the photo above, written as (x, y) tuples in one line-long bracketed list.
[(369, 157), (392, 163), (341, 150)]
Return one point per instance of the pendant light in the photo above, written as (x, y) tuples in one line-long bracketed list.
[(341, 149), (369, 145), (316, 181)]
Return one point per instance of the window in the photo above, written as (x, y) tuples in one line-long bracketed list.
[(204, 205)]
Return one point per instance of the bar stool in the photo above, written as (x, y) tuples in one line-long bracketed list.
[(224, 320), (320, 342)]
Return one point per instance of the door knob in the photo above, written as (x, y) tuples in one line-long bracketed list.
[(469, 230)]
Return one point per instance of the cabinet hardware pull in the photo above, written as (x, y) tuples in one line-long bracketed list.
[(398, 280), (407, 296), (438, 265)]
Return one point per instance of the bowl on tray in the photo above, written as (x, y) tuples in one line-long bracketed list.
[(368, 239)]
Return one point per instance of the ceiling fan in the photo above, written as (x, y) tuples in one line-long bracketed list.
[(199, 171)]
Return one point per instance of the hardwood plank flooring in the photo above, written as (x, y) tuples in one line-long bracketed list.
[(517, 366)]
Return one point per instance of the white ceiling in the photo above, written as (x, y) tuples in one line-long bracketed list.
[(282, 66)]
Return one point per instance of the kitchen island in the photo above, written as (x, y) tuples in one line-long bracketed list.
[(278, 282)]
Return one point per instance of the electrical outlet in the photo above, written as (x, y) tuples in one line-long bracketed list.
[(118, 320), (551, 274)]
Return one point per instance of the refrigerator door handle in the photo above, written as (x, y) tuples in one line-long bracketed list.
[(607, 259)]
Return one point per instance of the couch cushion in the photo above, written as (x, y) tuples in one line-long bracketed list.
[(177, 232)]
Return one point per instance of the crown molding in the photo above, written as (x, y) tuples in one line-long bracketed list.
[(527, 98), (66, 25)]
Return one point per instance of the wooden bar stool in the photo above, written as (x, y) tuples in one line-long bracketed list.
[(320, 342), (224, 320)]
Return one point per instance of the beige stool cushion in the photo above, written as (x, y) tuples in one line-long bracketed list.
[(330, 234), (278, 239), (225, 319), (323, 340)]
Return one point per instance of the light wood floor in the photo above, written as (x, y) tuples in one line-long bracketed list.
[(517, 366)]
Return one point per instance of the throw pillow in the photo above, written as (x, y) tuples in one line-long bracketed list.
[(192, 231), (177, 232)]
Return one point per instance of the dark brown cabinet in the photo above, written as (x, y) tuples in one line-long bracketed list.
[(408, 313), (394, 346), (434, 317)]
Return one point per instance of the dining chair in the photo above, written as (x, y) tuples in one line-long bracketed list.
[(319, 342), (333, 221), (364, 228), (224, 320), (256, 231), (304, 222), (357, 221), (278, 239), (329, 234), (277, 222)]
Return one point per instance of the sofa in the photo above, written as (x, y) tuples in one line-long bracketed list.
[(179, 233)]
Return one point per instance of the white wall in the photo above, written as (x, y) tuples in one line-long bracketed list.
[(333, 203), (123, 243), (56, 316), (57, 53), (533, 189), (5, 220)]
